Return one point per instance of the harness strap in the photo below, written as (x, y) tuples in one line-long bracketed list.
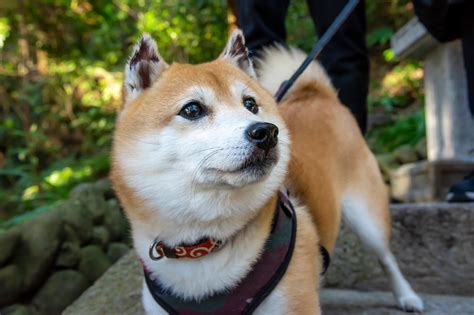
[(326, 258)]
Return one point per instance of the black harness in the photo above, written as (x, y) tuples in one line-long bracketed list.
[(257, 285)]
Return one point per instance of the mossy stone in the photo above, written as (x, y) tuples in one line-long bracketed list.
[(78, 219), (91, 199), (10, 284), (41, 238), (116, 251), (100, 236), (8, 241), (93, 262), (69, 255), (115, 221), (16, 309), (59, 291)]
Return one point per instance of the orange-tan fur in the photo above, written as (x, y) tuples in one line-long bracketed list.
[(329, 156)]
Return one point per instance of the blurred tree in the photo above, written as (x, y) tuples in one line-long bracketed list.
[(60, 82)]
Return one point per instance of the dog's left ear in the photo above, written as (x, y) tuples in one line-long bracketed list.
[(236, 53)]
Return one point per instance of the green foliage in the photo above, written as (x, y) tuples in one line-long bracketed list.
[(388, 13), (60, 84), (53, 123), (396, 87), (191, 31), (407, 129), (300, 28), (379, 36), (399, 88), (4, 31)]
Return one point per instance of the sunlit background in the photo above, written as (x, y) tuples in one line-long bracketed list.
[(60, 84)]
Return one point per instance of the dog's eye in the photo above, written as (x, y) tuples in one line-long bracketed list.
[(192, 111), (250, 104)]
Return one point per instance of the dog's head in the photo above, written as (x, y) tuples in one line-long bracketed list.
[(197, 142)]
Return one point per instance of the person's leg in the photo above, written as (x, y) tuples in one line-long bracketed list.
[(262, 22), (463, 191), (345, 58), (468, 52)]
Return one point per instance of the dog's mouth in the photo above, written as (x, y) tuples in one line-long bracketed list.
[(258, 163), (254, 167)]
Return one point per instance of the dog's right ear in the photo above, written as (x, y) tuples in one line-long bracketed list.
[(144, 66)]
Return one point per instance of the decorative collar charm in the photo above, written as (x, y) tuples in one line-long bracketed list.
[(254, 288), (159, 250)]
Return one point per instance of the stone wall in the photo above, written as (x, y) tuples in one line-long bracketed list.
[(48, 261)]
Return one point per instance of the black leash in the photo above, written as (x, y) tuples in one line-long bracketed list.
[(317, 48)]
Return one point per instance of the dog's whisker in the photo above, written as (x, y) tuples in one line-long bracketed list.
[(198, 167), (208, 149)]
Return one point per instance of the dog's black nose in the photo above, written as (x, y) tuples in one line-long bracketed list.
[(264, 135)]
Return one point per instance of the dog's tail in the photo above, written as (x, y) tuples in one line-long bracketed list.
[(278, 63)]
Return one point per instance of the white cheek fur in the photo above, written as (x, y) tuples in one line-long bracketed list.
[(166, 169)]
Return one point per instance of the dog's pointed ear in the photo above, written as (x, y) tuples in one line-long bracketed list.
[(144, 66), (236, 53)]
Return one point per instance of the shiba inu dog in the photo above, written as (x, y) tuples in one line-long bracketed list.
[(200, 154)]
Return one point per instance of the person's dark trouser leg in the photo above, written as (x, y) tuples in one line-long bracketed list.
[(345, 58), (262, 21), (468, 52)]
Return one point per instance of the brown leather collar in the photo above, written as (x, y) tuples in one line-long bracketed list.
[(159, 250)]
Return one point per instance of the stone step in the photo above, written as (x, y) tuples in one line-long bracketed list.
[(351, 302), (427, 181), (119, 291), (433, 243)]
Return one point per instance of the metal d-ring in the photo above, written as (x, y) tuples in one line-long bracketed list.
[(152, 250)]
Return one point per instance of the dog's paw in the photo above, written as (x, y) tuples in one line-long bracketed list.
[(410, 303)]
